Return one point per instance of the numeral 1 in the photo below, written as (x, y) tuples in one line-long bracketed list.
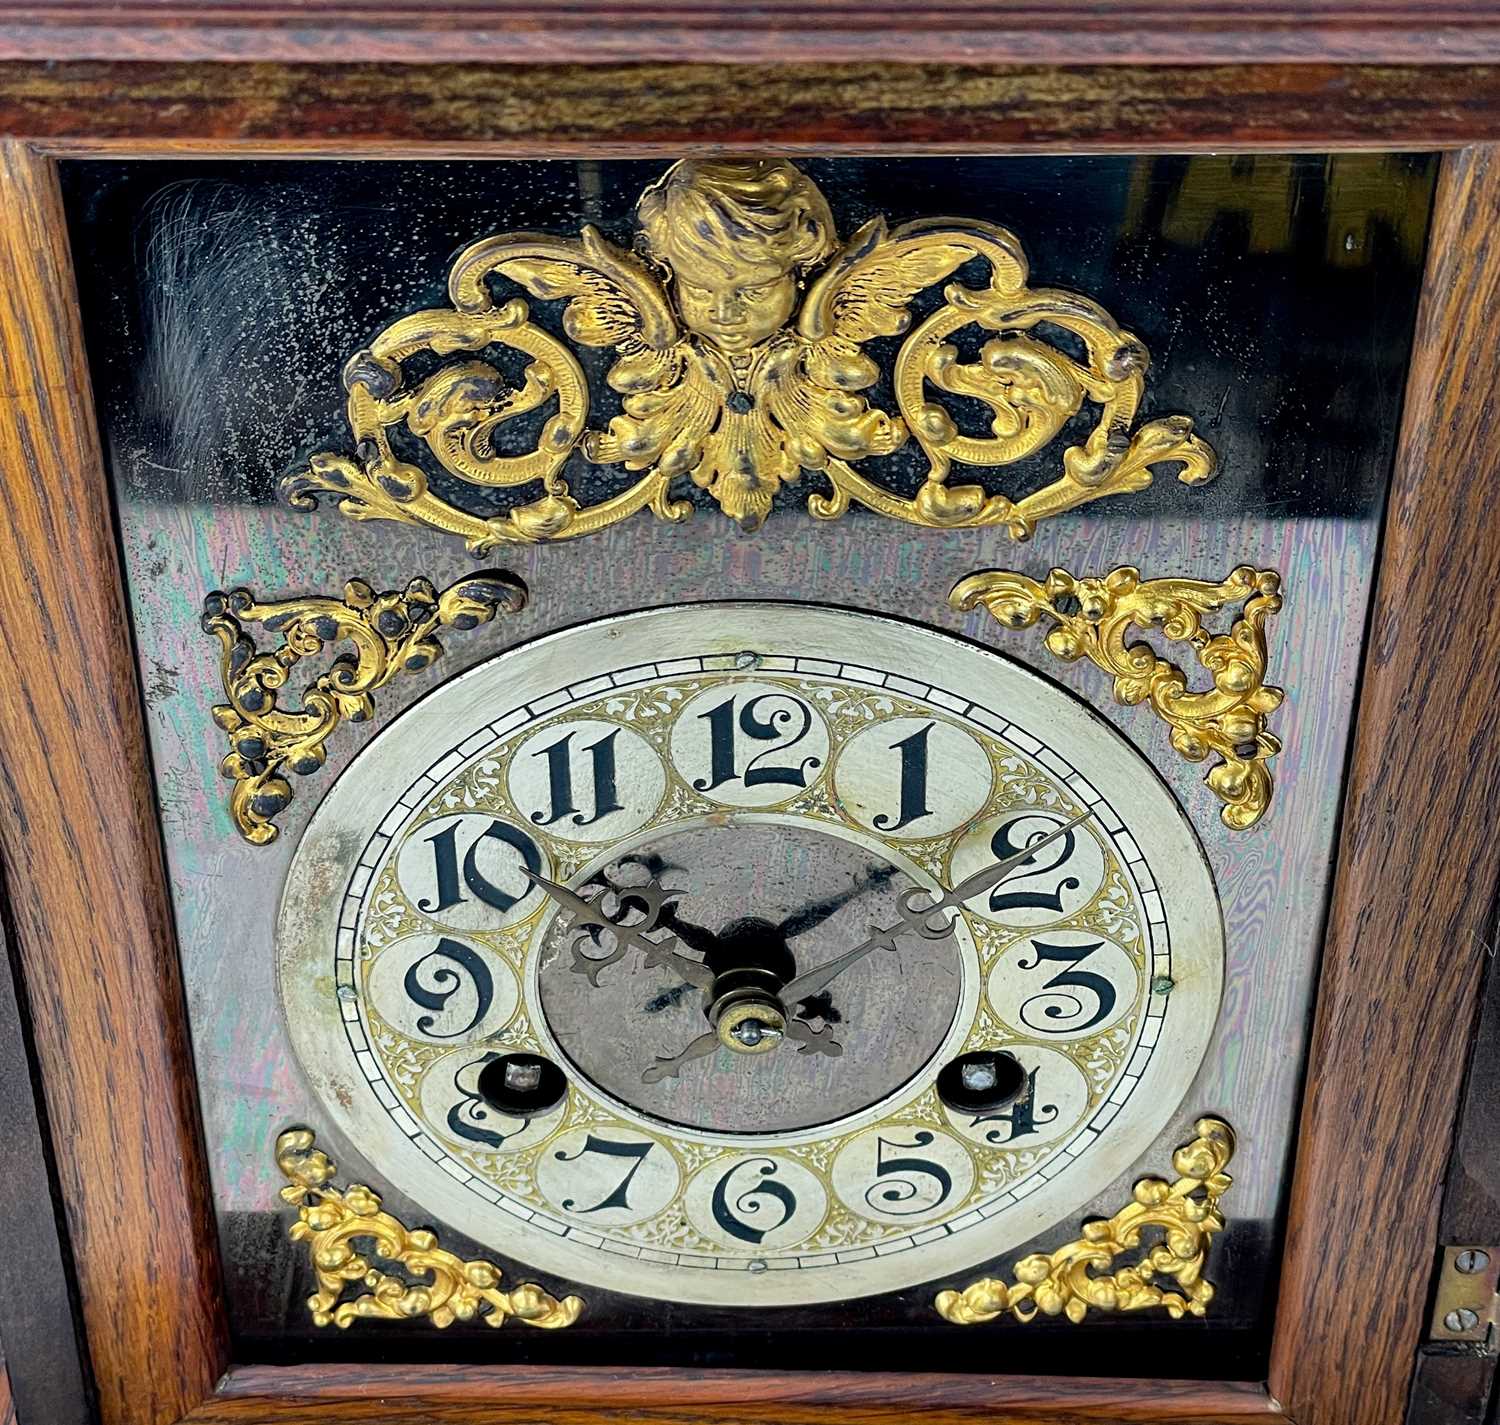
[(446, 867), (913, 749), (560, 781)]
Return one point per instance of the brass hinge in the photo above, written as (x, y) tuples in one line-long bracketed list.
[(1467, 1300)]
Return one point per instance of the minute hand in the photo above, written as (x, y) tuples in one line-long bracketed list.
[(919, 918)]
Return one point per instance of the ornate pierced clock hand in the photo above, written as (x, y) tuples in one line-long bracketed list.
[(812, 1041), (917, 919), (758, 1021), (669, 1068), (586, 918), (695, 937)]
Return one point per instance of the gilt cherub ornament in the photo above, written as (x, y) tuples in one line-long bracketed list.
[(739, 331)]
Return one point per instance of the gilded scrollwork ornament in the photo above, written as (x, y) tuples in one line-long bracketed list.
[(1093, 618), (738, 331), (1080, 1276), (347, 1233), (389, 633)]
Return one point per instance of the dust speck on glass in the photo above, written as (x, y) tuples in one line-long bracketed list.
[(1276, 295)]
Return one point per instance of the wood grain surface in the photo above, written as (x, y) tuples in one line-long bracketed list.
[(438, 110), (82, 855), (1058, 31), (408, 1395), (1419, 862)]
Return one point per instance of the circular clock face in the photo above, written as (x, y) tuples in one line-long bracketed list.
[(642, 954)]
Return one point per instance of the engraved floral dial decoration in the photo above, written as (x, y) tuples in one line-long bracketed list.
[(749, 953), (740, 331)]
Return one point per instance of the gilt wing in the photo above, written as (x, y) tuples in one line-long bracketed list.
[(613, 301), (868, 288)]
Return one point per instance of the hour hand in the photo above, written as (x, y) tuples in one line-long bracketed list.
[(589, 922), (663, 957)]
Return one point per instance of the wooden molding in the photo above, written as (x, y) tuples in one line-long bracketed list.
[(82, 855), (1418, 865), (445, 110), (962, 31), (523, 1395)]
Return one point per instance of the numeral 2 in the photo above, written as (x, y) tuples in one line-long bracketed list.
[(768, 727), (1059, 853)]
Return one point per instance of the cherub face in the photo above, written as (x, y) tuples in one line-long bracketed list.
[(736, 315)]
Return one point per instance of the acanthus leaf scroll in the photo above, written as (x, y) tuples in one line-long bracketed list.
[(1094, 618), (349, 1234), (388, 634), (1182, 1217), (739, 333)]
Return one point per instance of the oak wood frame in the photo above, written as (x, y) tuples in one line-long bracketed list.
[(76, 800), (590, 31)]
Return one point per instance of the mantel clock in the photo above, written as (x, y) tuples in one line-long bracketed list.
[(749, 754)]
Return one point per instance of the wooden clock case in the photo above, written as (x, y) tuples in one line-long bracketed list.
[(121, 1296)]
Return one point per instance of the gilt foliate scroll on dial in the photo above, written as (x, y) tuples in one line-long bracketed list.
[(668, 954)]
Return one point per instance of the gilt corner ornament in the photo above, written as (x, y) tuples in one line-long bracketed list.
[(1077, 1277), (738, 330), (448, 1289), (390, 633), (1092, 618)]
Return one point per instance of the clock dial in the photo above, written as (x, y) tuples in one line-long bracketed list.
[(749, 791)]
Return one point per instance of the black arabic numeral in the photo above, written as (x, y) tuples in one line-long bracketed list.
[(1023, 1115), (446, 983), (902, 1189), (1085, 980), (446, 869), (913, 749), (619, 1196), (770, 727), (559, 757), (471, 1111), (749, 1202), (1060, 851)]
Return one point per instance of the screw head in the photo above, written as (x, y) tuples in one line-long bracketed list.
[(523, 1076), (981, 1076), (747, 659), (1460, 1319), (1163, 985), (751, 1024), (1471, 1260)]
